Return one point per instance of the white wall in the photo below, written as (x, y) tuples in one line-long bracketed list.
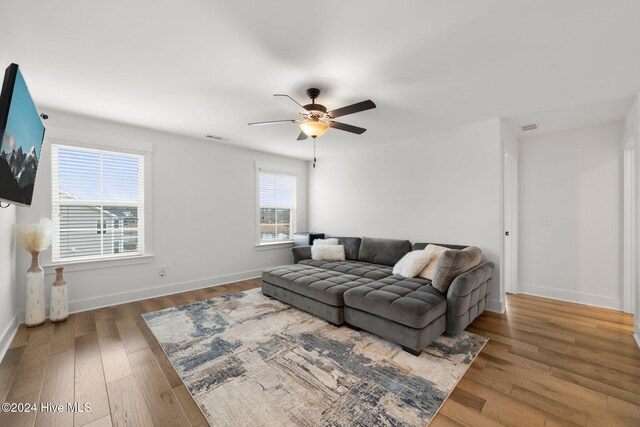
[(8, 287), (442, 187), (575, 179), (203, 211)]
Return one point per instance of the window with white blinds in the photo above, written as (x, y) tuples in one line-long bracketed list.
[(276, 206), (98, 203)]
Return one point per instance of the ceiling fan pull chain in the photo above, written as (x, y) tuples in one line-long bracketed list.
[(314, 152)]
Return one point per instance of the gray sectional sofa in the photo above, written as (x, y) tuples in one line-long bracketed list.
[(363, 293)]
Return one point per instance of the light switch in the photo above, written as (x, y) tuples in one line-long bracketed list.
[(546, 220)]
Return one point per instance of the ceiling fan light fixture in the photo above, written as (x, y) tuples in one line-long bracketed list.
[(314, 128)]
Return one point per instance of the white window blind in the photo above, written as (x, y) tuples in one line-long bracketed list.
[(98, 203), (276, 206)]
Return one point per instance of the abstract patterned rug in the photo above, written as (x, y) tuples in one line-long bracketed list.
[(248, 360)]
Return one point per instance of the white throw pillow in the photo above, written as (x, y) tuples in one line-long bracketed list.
[(435, 253), (327, 253), (412, 263), (323, 242)]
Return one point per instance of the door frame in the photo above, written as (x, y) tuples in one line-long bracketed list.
[(630, 226), (510, 214)]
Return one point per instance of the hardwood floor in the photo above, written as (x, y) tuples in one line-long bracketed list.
[(547, 363)]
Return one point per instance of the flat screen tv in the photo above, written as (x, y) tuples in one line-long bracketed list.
[(22, 133)]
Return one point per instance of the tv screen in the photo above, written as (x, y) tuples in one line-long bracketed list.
[(22, 134)]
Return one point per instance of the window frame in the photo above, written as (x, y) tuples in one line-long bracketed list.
[(117, 146), (293, 216)]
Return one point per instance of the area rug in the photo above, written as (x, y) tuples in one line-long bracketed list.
[(248, 360)]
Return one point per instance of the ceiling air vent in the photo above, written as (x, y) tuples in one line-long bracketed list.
[(217, 138), (526, 128)]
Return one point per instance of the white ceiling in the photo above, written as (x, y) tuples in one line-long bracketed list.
[(197, 67)]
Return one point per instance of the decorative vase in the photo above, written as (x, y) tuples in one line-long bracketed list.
[(59, 300), (35, 312)]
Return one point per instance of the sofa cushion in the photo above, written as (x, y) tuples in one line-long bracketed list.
[(322, 285), (411, 302), (383, 251), (453, 263), (351, 246), (357, 268)]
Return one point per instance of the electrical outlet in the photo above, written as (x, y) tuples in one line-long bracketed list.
[(163, 271), (546, 220)]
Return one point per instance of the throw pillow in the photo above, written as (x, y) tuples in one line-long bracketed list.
[(452, 263), (327, 252), (435, 252), (411, 264), (322, 242)]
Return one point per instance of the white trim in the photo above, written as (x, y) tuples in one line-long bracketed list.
[(637, 338), (510, 206), (630, 227), (496, 306), (154, 292), (274, 245), (94, 264), (571, 296), (8, 334)]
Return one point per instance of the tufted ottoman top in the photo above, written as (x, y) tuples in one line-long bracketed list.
[(322, 285), (411, 302)]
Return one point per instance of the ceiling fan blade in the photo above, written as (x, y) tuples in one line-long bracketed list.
[(353, 108), (348, 128), (302, 136), (271, 122), (291, 103)]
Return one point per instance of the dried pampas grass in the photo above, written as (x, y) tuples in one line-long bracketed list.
[(34, 237)]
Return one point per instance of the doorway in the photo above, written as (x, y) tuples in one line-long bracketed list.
[(510, 206), (630, 227)]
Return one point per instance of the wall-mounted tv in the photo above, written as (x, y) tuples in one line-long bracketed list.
[(22, 133)]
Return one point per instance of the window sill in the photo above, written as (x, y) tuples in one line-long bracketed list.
[(274, 245), (94, 264)]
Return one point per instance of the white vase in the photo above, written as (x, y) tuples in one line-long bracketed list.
[(35, 312), (59, 300)]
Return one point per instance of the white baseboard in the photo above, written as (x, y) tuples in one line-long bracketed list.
[(636, 337), (8, 334), (571, 296), (154, 292), (495, 306)]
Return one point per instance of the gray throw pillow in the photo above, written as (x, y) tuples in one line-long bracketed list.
[(453, 263)]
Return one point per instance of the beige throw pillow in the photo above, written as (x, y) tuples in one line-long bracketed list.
[(411, 264), (453, 263), (435, 252), (327, 253)]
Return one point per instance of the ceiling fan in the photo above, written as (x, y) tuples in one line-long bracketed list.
[(314, 118)]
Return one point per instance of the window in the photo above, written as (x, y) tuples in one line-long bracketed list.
[(98, 203), (276, 206)]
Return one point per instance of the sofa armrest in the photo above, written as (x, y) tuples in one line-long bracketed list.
[(300, 252), (467, 297)]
